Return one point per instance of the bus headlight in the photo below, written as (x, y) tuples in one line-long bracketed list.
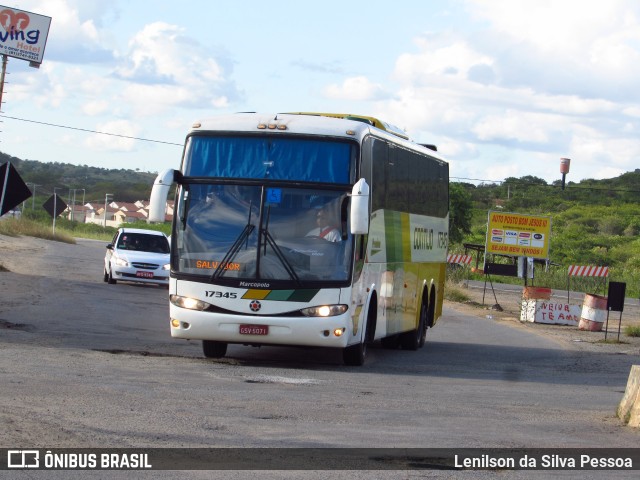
[(324, 310), (188, 303)]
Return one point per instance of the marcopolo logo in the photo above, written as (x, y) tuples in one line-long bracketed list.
[(255, 305)]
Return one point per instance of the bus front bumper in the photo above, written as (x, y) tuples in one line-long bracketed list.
[(333, 331)]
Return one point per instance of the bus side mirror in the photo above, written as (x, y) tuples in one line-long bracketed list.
[(159, 194), (360, 208)]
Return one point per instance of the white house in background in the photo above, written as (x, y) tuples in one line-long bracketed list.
[(79, 213), (122, 212), (123, 216), (98, 216), (125, 206)]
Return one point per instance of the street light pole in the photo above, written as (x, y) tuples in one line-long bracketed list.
[(55, 208), (33, 198), (106, 196), (72, 200), (84, 210)]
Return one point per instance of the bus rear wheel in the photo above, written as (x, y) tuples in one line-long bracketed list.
[(415, 339), (213, 349)]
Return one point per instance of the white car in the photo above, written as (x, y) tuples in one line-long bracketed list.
[(137, 255)]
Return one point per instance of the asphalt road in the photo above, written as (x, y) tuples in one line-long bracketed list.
[(87, 364)]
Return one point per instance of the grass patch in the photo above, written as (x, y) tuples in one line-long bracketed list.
[(456, 294), (611, 342), (13, 227), (632, 330)]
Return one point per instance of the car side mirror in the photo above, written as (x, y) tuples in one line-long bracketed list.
[(110, 246)]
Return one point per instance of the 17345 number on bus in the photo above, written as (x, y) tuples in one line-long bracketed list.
[(217, 294)]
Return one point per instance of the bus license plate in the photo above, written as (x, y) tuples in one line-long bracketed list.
[(254, 329), (144, 274)]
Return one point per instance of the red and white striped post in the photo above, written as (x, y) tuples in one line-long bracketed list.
[(586, 271)]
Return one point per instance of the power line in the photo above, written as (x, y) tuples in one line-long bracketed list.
[(90, 131)]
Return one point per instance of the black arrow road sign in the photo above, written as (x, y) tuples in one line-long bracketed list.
[(13, 191), (54, 205)]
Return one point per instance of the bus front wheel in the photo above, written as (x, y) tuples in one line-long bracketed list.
[(213, 349), (355, 354)]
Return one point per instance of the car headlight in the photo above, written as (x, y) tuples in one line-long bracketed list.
[(324, 310), (122, 262), (166, 266), (188, 302)]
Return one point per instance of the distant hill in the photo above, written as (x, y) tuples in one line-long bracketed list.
[(593, 222), (125, 185)]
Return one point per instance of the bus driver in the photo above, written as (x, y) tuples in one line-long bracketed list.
[(326, 227)]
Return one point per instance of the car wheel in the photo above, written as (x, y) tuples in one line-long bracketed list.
[(105, 276), (213, 349), (110, 279)]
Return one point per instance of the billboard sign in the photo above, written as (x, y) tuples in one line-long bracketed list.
[(23, 34), (517, 235)]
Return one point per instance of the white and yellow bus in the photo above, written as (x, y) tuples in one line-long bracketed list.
[(315, 230)]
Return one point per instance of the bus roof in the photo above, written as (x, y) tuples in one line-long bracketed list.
[(329, 124), (361, 118)]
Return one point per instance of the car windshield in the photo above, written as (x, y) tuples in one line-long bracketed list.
[(257, 232), (143, 242)]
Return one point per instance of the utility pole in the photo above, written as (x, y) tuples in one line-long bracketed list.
[(55, 208), (106, 196), (33, 197), (72, 201), (2, 74)]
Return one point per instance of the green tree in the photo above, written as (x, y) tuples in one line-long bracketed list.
[(460, 212)]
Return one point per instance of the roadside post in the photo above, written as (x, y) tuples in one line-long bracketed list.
[(615, 302)]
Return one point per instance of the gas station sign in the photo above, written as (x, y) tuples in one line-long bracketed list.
[(517, 235)]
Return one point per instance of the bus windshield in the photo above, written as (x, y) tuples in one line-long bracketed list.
[(257, 232), (272, 157)]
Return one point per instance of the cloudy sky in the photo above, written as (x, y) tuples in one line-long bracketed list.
[(503, 87)]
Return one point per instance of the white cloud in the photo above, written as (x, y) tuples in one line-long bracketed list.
[(95, 107), (74, 35), (163, 69), (113, 142), (520, 126), (549, 25), (545, 79), (441, 59), (355, 89)]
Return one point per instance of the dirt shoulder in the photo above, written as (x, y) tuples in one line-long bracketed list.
[(508, 308)]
